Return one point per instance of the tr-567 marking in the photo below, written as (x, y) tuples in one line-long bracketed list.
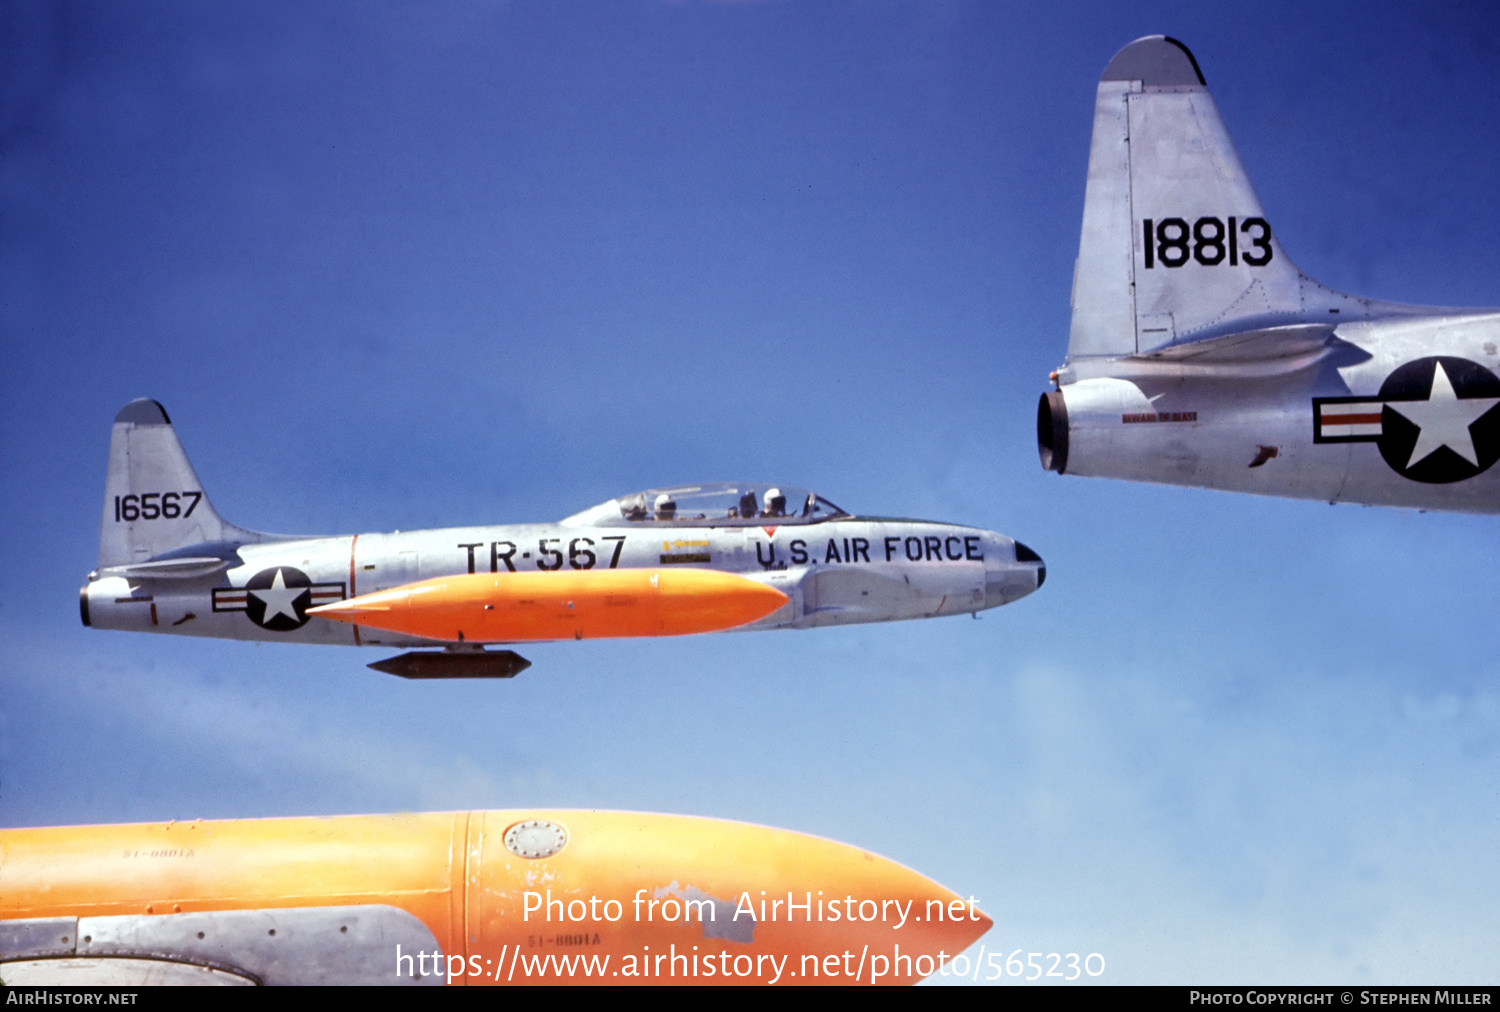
[(580, 553)]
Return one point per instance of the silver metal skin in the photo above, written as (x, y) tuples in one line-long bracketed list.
[(284, 945), (1200, 355), (168, 563)]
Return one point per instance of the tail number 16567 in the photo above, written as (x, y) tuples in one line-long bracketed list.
[(156, 505)]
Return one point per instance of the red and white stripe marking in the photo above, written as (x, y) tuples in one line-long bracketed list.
[(238, 598), (1353, 418), (326, 593)]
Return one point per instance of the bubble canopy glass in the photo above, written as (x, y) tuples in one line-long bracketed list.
[(718, 504)]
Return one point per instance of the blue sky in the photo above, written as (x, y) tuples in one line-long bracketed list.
[(415, 265)]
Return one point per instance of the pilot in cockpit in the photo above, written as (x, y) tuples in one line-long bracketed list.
[(666, 507), (775, 503), (746, 507)]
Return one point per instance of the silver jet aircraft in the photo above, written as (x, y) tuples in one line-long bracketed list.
[(1200, 355), (701, 558)]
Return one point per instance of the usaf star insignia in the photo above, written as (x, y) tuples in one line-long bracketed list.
[(1433, 419), (277, 599)]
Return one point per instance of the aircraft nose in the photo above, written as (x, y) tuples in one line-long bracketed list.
[(1025, 554), (1011, 571)]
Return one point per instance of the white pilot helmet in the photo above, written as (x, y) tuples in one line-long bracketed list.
[(775, 502), (666, 508)]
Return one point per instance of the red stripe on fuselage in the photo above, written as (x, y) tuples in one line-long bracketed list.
[(352, 592)]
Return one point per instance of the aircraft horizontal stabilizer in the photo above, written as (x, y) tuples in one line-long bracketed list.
[(1294, 341)]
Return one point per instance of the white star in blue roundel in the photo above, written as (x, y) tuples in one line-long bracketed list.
[(1444, 419), (279, 598)]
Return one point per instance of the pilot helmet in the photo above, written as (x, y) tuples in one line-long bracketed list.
[(666, 507), (775, 503)]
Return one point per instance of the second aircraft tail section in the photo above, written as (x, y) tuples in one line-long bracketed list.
[(153, 501), (1175, 246)]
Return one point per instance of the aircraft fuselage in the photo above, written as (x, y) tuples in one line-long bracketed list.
[(834, 572), (1383, 412)]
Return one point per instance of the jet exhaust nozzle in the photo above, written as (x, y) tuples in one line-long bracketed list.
[(1052, 431)]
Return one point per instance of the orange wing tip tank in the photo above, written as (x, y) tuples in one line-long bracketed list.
[(528, 607), (498, 897)]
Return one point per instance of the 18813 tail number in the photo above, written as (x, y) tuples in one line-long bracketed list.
[(1172, 242)]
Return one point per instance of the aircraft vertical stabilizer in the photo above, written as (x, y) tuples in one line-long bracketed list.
[(1165, 192), (153, 501), (1201, 356)]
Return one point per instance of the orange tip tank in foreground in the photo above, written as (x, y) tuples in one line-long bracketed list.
[(499, 897), (527, 607)]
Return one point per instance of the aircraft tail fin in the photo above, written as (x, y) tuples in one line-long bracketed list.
[(1175, 246), (153, 501)]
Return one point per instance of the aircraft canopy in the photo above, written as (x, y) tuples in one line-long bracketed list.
[(718, 504)]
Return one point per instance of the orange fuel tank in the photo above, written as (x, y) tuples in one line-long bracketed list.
[(489, 897), (591, 604)]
